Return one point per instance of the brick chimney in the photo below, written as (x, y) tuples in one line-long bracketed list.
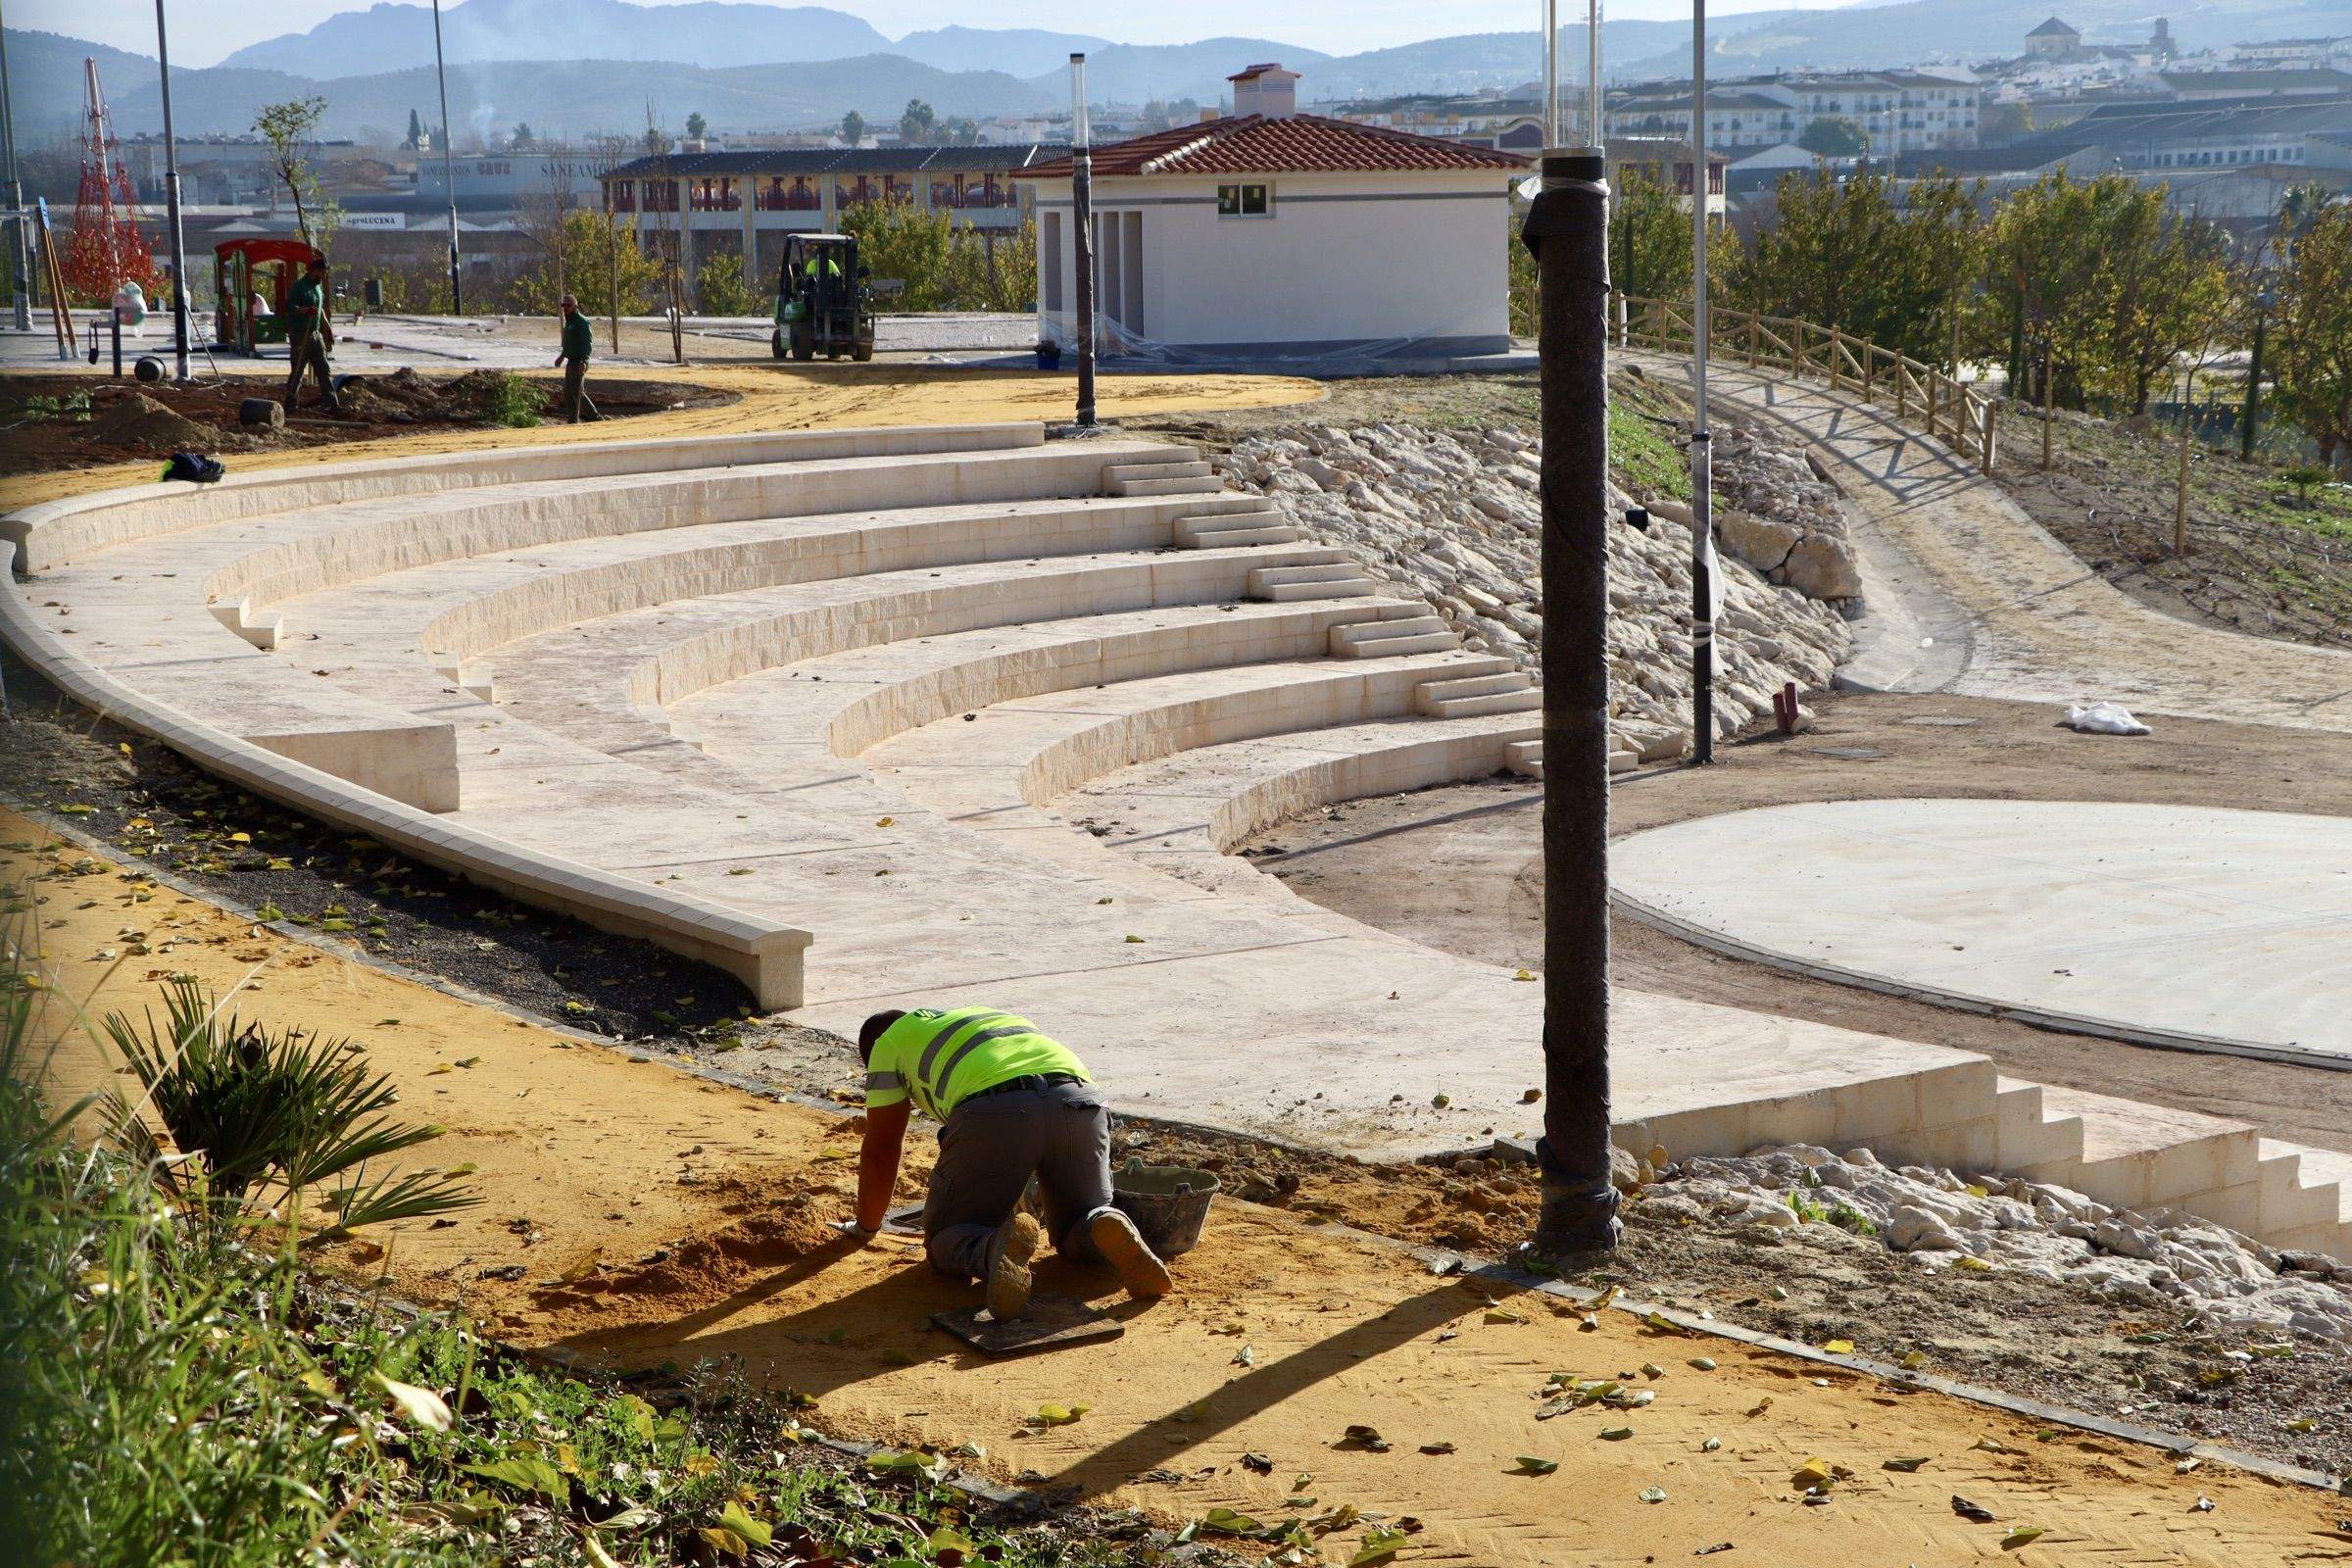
[(1266, 89)]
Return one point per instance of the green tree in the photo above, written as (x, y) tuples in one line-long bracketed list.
[(853, 127), (960, 130), (992, 275), (697, 127), (1649, 239), (898, 240), (291, 130), (916, 121), (416, 129), (1834, 136), (720, 290), (1895, 268), (2314, 334), (522, 136), (596, 256)]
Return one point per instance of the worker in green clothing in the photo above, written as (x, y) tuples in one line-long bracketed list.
[(579, 339), (1011, 1104), (310, 333)]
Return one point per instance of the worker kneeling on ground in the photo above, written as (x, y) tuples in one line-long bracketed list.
[(1011, 1104)]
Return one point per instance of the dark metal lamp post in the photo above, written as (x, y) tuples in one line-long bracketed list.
[(1568, 231)]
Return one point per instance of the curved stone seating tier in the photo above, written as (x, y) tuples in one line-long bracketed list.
[(761, 951), (980, 713), (49, 535), (1183, 815), (135, 604)]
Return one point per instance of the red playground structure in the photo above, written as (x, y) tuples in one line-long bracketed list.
[(107, 249)]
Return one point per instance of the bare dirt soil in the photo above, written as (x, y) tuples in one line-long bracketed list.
[(637, 1216), (2261, 559), (637, 1213), (1460, 868), (50, 422)]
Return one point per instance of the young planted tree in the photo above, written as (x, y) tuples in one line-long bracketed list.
[(596, 258), (2313, 332), (853, 127), (918, 122), (719, 288), (2169, 293), (1855, 254), (1649, 240), (898, 240), (697, 127), (291, 130)]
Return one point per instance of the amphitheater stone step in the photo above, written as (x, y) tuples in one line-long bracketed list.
[(1508, 692), (1337, 579), (1381, 639), (1524, 758)]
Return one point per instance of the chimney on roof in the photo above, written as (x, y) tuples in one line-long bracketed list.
[(1266, 89)]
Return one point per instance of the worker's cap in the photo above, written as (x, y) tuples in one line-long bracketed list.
[(318, 265)]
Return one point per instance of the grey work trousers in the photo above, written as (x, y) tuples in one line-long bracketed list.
[(990, 1148), (307, 351), (577, 403)]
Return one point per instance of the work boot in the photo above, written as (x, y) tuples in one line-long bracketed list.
[(1008, 1253), (1124, 1248)]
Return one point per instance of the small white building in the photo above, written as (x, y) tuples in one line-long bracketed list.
[(1269, 234)]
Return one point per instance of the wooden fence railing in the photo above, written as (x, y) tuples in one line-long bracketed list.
[(1964, 418)]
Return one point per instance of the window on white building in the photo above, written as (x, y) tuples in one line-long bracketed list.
[(1244, 201)]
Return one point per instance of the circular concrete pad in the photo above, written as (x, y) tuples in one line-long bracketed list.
[(2176, 926)]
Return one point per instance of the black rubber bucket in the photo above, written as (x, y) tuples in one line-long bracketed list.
[(1167, 1202)]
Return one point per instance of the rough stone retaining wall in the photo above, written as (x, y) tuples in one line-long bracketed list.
[(1454, 517)]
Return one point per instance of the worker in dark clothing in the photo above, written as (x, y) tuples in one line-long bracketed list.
[(579, 340), (310, 333), (1011, 1104)]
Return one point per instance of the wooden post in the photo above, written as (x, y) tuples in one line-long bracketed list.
[(1902, 395), (2049, 385), (1755, 335), (1870, 372), (1991, 412), (1837, 342), (2181, 496)]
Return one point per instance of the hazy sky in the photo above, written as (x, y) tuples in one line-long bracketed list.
[(204, 30)]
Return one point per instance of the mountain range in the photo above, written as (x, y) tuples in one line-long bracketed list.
[(579, 67)]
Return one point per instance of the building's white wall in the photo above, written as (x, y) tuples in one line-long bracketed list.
[(1345, 257)]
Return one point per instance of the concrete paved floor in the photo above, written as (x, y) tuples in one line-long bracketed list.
[(2186, 926)]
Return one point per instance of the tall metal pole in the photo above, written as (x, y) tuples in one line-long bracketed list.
[(1702, 524), (449, 166), (20, 240), (1592, 136), (1568, 230), (1082, 216), (180, 251), (1551, 75)]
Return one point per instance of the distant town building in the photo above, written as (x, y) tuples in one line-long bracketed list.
[(1899, 111), (1271, 233), (746, 202), (1666, 161), (2308, 83), (2054, 40)]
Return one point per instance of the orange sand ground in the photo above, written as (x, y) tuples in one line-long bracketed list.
[(774, 398), (698, 1215)]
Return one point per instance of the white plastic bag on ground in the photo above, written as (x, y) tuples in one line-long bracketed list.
[(2103, 719)]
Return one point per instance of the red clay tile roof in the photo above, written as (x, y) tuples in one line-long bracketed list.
[(1292, 144)]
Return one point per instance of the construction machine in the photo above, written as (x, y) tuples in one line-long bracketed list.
[(824, 300)]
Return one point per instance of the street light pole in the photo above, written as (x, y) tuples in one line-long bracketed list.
[(1082, 221), (1702, 523), (20, 241), (179, 254), (1568, 231), (449, 168)]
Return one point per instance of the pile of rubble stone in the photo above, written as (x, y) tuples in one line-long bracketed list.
[(1454, 518), (2159, 1257)]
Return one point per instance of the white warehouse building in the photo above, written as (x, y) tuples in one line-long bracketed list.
[(1269, 234)]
